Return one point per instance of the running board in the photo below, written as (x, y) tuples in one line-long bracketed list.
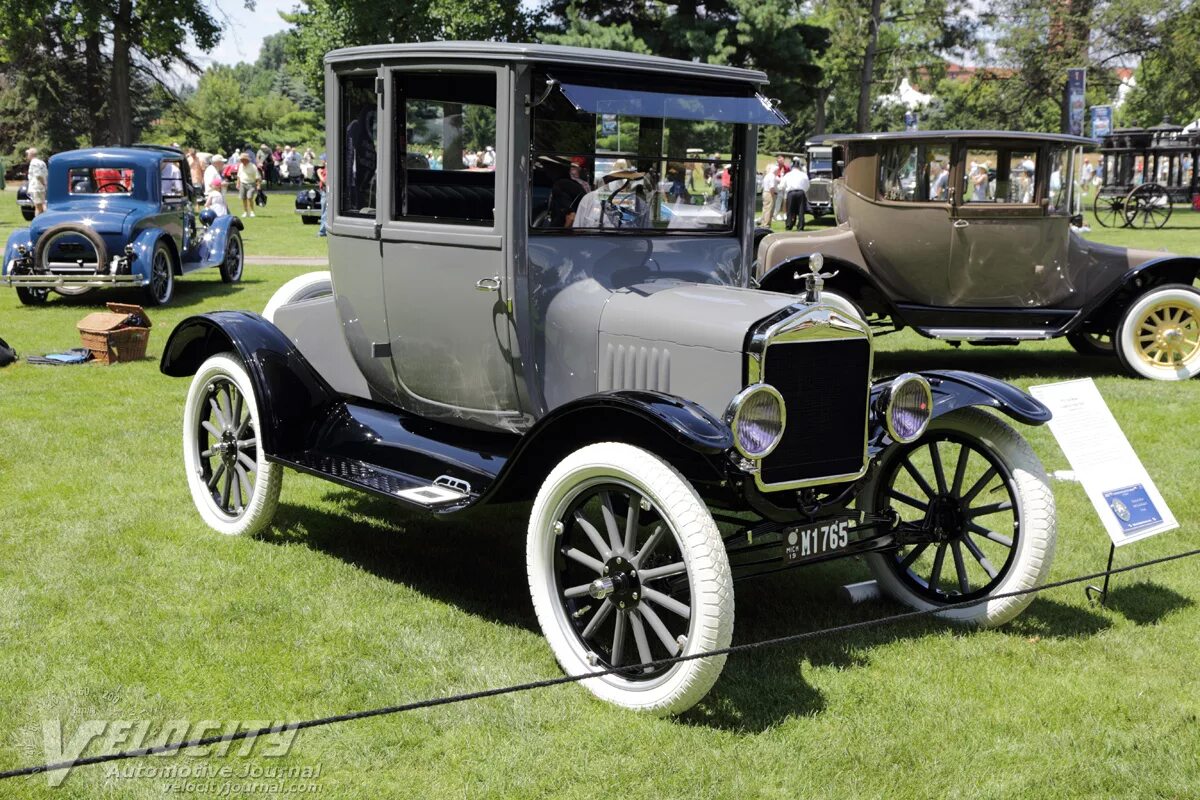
[(376, 480), (976, 334)]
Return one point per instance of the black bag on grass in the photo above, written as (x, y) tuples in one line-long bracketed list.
[(7, 354), (260, 198)]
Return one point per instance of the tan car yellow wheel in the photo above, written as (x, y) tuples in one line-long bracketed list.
[(1159, 336)]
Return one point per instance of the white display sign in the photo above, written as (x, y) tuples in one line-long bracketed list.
[(1128, 502)]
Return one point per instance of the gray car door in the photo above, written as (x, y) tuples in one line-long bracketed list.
[(446, 274)]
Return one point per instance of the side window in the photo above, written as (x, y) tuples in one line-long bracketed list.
[(937, 172), (1062, 185), (359, 129), (979, 178), (1021, 185), (172, 180), (898, 172), (446, 156)]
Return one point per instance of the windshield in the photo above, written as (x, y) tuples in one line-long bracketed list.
[(617, 171)]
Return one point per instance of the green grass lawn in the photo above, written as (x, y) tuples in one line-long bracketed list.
[(116, 602)]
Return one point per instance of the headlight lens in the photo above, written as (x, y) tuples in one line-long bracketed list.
[(757, 416), (909, 404), (312, 194)]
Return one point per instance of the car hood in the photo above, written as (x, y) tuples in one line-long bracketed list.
[(1113, 255), (110, 219), (691, 314)]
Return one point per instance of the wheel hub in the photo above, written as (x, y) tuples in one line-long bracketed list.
[(946, 518), (619, 583)]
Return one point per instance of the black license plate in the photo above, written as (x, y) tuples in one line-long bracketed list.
[(815, 539)]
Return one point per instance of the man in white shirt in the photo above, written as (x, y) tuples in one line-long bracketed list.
[(795, 191), (172, 180), (38, 176), (769, 184)]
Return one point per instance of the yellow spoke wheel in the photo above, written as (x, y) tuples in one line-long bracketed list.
[(1159, 336)]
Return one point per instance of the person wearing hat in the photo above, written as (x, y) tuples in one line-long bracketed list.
[(602, 208), (249, 182), (565, 194), (215, 171)]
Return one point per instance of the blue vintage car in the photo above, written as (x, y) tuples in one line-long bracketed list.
[(119, 217)]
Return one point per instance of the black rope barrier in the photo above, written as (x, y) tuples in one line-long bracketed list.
[(562, 679)]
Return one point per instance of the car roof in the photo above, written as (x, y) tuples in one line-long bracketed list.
[(1027, 136), (148, 155), (550, 54)]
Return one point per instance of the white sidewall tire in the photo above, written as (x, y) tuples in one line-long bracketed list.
[(302, 287), (699, 540), (1127, 332), (261, 508), (1035, 546)]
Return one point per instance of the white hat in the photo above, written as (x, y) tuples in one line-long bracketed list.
[(217, 157)]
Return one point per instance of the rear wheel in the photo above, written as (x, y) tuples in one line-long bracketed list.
[(32, 297), (1159, 335), (1091, 344), (1148, 206), (234, 486), (235, 259), (161, 288), (626, 567), (973, 489)]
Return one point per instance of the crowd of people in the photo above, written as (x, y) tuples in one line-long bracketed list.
[(785, 193), (248, 169)]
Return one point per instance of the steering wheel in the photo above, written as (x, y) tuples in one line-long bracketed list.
[(111, 187)]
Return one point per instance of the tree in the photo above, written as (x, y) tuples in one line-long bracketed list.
[(1168, 76), (323, 25)]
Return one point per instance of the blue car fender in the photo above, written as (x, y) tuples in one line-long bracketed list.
[(215, 238), (143, 251), (15, 239)]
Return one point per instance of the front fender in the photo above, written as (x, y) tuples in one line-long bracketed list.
[(677, 430), (214, 239), (15, 239), (1108, 308), (954, 389), (293, 398)]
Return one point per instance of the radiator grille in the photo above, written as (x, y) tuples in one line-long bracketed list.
[(818, 191), (825, 386)]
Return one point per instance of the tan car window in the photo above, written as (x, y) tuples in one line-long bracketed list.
[(898, 172), (937, 172), (979, 180), (1021, 183), (1062, 186)]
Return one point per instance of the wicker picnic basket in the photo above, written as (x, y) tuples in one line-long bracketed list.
[(119, 334)]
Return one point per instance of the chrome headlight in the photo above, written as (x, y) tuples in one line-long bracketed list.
[(757, 416), (906, 404), (312, 194)]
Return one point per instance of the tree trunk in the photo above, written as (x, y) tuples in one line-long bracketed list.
[(822, 97), (120, 107), (867, 77), (94, 79)]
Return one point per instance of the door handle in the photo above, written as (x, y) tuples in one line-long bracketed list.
[(488, 284), (961, 223)]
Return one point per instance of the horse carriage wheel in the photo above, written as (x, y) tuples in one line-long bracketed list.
[(1148, 206), (1110, 210)]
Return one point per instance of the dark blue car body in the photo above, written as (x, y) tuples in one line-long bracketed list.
[(137, 205)]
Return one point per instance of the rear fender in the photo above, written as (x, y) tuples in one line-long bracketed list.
[(293, 399), (15, 239), (143, 251), (677, 430)]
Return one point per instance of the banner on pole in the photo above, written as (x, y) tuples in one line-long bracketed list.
[(1076, 89)]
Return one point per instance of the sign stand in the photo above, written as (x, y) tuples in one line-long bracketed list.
[(1094, 592)]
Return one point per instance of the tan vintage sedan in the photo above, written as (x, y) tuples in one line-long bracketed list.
[(966, 236)]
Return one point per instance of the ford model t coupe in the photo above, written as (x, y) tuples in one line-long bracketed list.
[(119, 217), (966, 236), (564, 328)]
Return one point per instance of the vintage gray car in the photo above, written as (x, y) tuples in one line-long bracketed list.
[(966, 236), (591, 344)]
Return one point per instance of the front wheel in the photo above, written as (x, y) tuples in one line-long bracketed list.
[(308, 286), (235, 259), (1159, 335), (626, 567), (234, 486), (977, 499)]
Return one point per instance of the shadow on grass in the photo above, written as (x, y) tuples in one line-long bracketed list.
[(475, 561), (1004, 363), (187, 293), (1145, 603)]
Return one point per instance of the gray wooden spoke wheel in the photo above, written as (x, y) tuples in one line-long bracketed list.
[(626, 567), (234, 486)]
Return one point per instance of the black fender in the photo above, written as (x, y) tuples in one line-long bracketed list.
[(293, 398), (852, 282), (679, 431), (954, 389), (1104, 312)]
